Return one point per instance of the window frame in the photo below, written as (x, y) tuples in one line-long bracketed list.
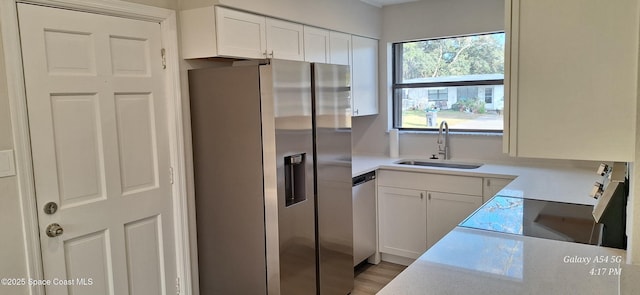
[(396, 71)]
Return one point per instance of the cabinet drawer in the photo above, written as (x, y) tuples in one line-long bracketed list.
[(465, 185)]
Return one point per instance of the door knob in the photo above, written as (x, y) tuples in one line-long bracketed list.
[(54, 230)]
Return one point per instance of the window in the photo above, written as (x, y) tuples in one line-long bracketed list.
[(488, 95), (458, 79), (438, 94)]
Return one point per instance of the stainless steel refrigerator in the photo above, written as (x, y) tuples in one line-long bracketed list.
[(272, 164)]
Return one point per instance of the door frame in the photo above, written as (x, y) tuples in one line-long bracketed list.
[(20, 126)]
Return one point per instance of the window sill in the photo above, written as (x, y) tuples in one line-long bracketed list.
[(465, 133)]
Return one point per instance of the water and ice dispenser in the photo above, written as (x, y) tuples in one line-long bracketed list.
[(295, 179)]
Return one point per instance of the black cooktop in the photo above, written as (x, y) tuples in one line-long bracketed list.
[(536, 218)]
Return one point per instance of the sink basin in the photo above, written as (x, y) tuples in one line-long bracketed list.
[(439, 164)]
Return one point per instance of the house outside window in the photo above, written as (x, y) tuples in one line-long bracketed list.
[(457, 79)]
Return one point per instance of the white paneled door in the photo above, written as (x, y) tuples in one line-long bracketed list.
[(99, 137)]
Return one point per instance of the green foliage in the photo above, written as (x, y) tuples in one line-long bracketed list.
[(473, 55), (470, 105)]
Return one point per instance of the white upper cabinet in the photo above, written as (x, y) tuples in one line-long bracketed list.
[(218, 31), (339, 48), (571, 76), (364, 72), (362, 55), (285, 40), (316, 45), (240, 34), (222, 32)]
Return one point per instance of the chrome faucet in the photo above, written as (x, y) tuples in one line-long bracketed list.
[(443, 145)]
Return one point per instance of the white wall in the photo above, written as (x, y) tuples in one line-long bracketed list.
[(438, 18), (12, 254), (431, 19), (349, 16)]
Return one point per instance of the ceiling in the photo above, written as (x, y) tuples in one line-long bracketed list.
[(380, 3)]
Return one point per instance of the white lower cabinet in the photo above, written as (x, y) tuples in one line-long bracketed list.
[(492, 186), (445, 211), (415, 210), (402, 221)]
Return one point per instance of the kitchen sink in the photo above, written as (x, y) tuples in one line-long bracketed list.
[(439, 164)]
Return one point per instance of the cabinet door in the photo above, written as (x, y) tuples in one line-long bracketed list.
[(339, 48), (402, 221), (492, 186), (316, 45), (572, 79), (240, 34), (285, 40), (446, 211), (364, 73)]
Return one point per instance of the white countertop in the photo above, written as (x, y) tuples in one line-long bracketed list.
[(551, 183), (469, 261)]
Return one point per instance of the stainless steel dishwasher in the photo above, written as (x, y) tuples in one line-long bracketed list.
[(364, 217)]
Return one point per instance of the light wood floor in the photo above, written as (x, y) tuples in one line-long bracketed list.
[(370, 278)]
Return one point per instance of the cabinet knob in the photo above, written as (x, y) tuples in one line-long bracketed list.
[(421, 196), (488, 182), (429, 194)]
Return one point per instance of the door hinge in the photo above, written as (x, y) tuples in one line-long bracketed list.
[(171, 175), (178, 286), (163, 54)]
